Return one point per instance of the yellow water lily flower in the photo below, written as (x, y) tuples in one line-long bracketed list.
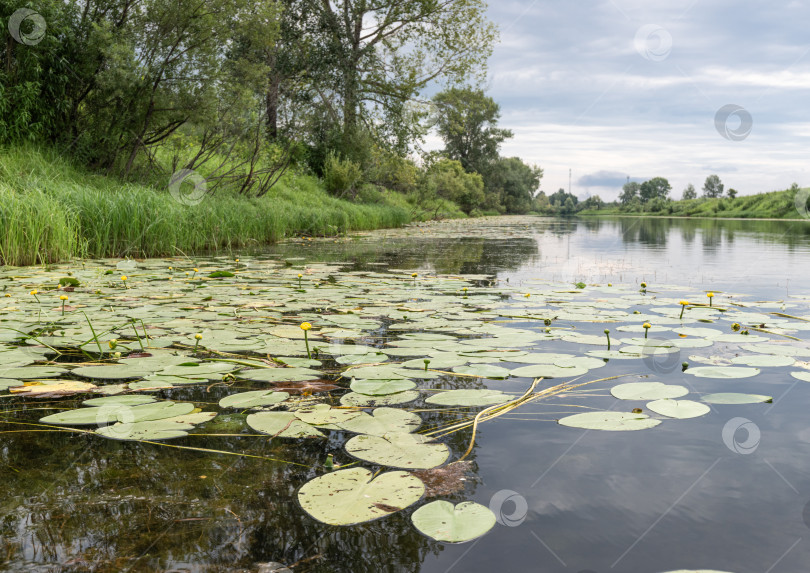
[(305, 326)]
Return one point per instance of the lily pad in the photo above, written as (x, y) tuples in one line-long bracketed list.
[(680, 409), (364, 401), (483, 371), (282, 425), (253, 399), (723, 372), (152, 430), (382, 421), (351, 496), (648, 391), (484, 397), (399, 450), (802, 375), (442, 521), (735, 398), (609, 421), (764, 360), (381, 387)]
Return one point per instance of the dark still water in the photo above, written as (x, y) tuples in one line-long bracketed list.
[(727, 491)]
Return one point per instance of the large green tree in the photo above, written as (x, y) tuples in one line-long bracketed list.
[(467, 121), (655, 188), (384, 52), (713, 187), (514, 183)]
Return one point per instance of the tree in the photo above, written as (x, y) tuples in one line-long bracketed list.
[(558, 199), (732, 193), (467, 120), (713, 187), (655, 188), (593, 202), (630, 191), (382, 53), (449, 180), (689, 192), (514, 183)]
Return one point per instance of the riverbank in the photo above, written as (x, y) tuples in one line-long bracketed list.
[(774, 205), (52, 210)]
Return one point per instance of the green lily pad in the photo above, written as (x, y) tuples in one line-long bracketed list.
[(364, 401), (351, 496), (680, 409), (253, 399), (152, 430), (483, 370), (126, 400), (764, 360), (382, 421), (399, 450), (282, 425), (648, 391), (473, 398), (325, 415), (280, 374), (735, 398), (802, 375), (547, 371), (609, 421), (442, 521), (735, 372), (381, 387)]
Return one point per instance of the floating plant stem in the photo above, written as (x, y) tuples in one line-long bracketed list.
[(305, 326), (64, 299), (683, 304), (607, 333), (93, 330), (197, 337), (647, 327), (711, 296)]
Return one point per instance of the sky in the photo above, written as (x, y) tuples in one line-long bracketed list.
[(640, 88)]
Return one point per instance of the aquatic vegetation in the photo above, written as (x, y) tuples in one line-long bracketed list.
[(395, 375)]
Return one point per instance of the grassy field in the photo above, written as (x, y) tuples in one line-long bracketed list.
[(51, 210), (773, 205)]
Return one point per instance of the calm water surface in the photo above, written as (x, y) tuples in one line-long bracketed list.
[(675, 497)]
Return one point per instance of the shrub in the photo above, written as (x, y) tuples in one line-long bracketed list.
[(341, 177)]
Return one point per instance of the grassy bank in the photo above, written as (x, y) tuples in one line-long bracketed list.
[(772, 205), (51, 210)]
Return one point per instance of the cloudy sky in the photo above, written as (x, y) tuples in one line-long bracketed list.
[(620, 88)]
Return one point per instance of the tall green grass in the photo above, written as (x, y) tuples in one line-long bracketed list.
[(51, 210)]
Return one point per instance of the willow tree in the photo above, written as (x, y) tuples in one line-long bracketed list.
[(384, 52)]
